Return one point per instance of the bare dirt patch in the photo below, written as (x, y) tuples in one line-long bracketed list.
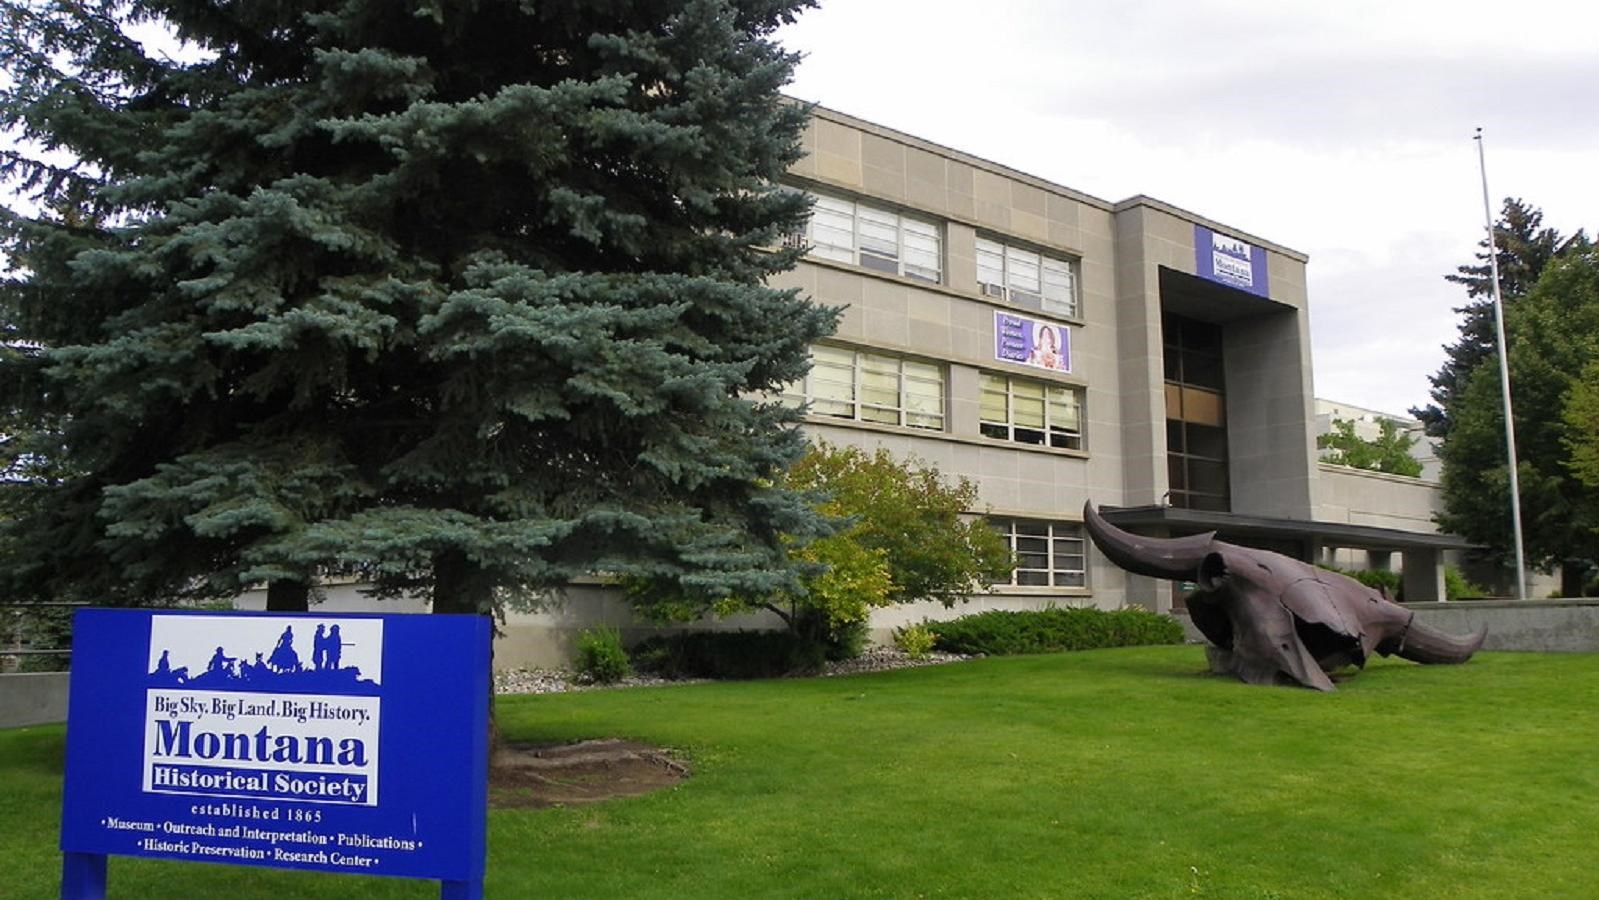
[(540, 775)]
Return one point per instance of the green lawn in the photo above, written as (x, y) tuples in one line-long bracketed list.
[(1115, 773)]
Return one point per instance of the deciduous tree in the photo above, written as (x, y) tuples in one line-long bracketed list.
[(1388, 452), (903, 534)]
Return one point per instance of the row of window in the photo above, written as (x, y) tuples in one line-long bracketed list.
[(890, 390), (859, 234)]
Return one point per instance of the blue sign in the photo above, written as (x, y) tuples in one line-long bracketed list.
[(1230, 261), (342, 742), (1029, 342)]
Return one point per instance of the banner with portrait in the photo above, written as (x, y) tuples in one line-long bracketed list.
[(1030, 342)]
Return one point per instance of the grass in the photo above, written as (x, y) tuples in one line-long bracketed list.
[(1113, 773)]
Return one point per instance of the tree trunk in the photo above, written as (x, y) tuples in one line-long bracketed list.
[(1573, 578), (462, 587), (288, 596)]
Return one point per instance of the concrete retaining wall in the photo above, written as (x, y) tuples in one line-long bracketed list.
[(1557, 626), (1541, 626), (32, 698)]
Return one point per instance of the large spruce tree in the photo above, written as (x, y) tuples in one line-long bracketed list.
[(1554, 338), (1525, 247), (466, 298)]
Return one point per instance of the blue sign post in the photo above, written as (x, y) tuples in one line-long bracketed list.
[(340, 743)]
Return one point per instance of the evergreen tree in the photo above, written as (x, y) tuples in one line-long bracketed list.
[(1554, 339), (465, 298), (1525, 247)]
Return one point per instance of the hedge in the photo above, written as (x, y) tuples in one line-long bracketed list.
[(1001, 633)]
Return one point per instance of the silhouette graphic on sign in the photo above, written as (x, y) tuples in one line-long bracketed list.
[(319, 649), (335, 647), (283, 658), (281, 670), (220, 662)]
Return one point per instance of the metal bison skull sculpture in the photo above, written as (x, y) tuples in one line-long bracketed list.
[(1273, 617)]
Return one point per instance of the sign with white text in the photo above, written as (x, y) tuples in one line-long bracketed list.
[(339, 742), (1230, 261)]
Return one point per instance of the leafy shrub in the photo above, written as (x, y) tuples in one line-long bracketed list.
[(1389, 582), (916, 640), (1384, 580), (729, 654), (839, 600), (1001, 633), (1458, 587), (906, 510), (847, 640), (600, 656)]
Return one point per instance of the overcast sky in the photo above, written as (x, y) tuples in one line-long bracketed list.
[(1342, 130)]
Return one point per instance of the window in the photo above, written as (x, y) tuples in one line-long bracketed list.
[(872, 387), (1026, 278), (1048, 554), (1196, 415), (850, 232), (1031, 412)]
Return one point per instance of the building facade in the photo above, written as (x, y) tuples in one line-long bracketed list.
[(1058, 349)]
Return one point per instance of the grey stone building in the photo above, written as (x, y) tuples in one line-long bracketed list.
[(1055, 348)]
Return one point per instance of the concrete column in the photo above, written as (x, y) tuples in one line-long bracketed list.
[(965, 395), (1382, 559), (1424, 576), (960, 257), (1150, 593)]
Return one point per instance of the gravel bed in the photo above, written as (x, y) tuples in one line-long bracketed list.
[(558, 681)]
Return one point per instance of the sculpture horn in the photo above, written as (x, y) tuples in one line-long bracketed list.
[(1425, 644), (1175, 558)]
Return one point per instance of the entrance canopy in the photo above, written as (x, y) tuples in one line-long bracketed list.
[(1268, 532), (1302, 539)]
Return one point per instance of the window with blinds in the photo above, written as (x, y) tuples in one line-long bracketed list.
[(1031, 412), (849, 232), (1026, 278), (872, 387), (1048, 554)]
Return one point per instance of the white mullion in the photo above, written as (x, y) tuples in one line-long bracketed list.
[(899, 383), (860, 379), (1010, 416), (899, 259), (1010, 537), (855, 232), (1049, 528)]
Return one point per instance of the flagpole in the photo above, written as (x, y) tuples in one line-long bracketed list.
[(1504, 374)]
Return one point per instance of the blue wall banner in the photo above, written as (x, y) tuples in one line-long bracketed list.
[(1230, 261), (341, 743)]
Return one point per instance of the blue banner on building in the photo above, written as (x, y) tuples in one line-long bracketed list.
[(1230, 261), (340, 742)]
